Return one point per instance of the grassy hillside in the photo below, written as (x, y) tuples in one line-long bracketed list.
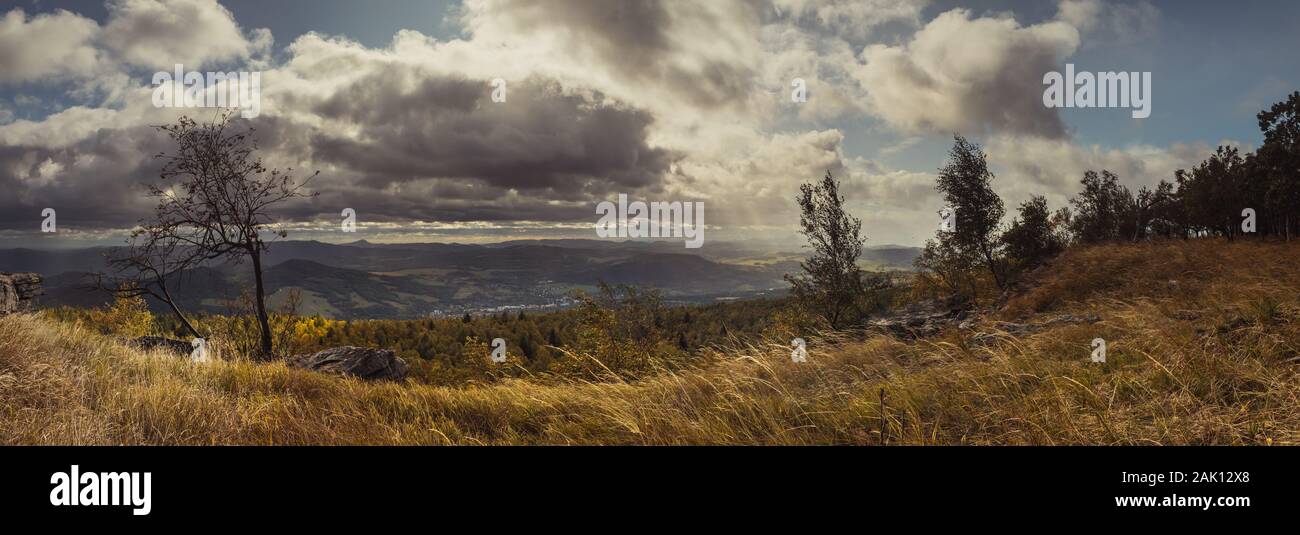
[(1203, 339)]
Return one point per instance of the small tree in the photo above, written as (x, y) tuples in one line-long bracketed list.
[(217, 200), (946, 269), (967, 186), (1151, 211), (152, 260), (128, 316), (1214, 192), (831, 283), (619, 333), (1279, 160), (1100, 208), (1032, 237)]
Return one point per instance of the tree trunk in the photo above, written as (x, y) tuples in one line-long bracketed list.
[(179, 315), (263, 321), (993, 266)]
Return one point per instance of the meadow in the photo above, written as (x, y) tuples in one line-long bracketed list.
[(1203, 348)]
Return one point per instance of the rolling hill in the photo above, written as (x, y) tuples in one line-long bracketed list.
[(385, 281)]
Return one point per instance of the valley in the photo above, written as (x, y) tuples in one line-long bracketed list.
[(362, 280)]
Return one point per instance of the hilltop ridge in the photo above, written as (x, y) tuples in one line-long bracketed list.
[(1203, 341)]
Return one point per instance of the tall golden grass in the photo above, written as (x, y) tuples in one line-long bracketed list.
[(1203, 339)]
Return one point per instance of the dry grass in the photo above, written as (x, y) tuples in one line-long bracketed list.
[(1210, 358)]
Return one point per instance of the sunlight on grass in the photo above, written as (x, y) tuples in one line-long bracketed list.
[(1204, 343)]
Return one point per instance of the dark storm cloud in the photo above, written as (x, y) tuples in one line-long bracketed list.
[(389, 207), (540, 140), (396, 146), (97, 182)]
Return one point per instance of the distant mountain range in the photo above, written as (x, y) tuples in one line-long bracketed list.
[(369, 280)]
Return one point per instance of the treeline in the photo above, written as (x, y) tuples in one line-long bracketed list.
[(975, 254), (1230, 195)]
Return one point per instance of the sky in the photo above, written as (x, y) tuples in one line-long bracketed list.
[(392, 102)]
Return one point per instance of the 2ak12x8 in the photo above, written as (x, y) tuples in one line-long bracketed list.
[(1220, 477)]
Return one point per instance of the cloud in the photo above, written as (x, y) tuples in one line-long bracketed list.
[(48, 45), (755, 187), (392, 134), (969, 75), (664, 100), (1034, 166), (1082, 14), (159, 34), (853, 21), (152, 34), (59, 130), (703, 54), (409, 125), (110, 163), (1113, 23), (826, 66), (902, 145)]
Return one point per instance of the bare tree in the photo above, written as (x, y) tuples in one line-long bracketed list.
[(215, 199)]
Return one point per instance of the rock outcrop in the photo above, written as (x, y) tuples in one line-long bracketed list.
[(929, 318), (919, 320), (364, 362), (17, 291)]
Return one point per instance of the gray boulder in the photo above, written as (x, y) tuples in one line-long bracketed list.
[(364, 362), (923, 319), (17, 291)]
